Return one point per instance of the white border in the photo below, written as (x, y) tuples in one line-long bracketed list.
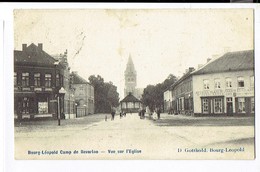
[(78, 165)]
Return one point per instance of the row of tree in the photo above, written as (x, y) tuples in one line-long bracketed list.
[(153, 94), (106, 95)]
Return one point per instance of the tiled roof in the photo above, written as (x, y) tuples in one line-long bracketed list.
[(232, 61), (33, 55), (130, 98), (186, 75), (76, 79)]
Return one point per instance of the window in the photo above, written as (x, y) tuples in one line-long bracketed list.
[(57, 79), (15, 78), (252, 104), (25, 79), (228, 83), (47, 80), (206, 84), (130, 105), (123, 105), (218, 105), (252, 81), (229, 99), (241, 105), (37, 79), (217, 83), (240, 81), (205, 106)]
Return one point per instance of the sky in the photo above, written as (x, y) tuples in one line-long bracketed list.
[(160, 41)]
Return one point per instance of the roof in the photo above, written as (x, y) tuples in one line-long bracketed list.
[(186, 75), (33, 55), (232, 61), (130, 98), (76, 79)]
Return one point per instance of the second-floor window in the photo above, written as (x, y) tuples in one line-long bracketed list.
[(47, 80), (217, 83), (228, 83), (15, 79), (206, 84), (57, 79), (37, 79), (240, 82), (25, 79)]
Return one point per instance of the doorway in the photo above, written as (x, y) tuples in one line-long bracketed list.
[(229, 106)]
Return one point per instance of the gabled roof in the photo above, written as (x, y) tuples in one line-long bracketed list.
[(232, 61), (33, 55), (76, 79), (186, 75), (130, 98)]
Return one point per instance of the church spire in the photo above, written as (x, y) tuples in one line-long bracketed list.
[(130, 77), (130, 68)]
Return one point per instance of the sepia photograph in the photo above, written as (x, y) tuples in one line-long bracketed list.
[(134, 84)]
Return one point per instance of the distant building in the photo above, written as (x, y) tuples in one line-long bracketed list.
[(38, 77), (223, 86), (131, 80), (167, 98), (83, 94), (130, 104)]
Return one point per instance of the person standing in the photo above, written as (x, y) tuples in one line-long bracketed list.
[(113, 112), (158, 113)]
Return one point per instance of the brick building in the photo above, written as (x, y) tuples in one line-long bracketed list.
[(38, 77)]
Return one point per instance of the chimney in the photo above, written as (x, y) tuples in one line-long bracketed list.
[(24, 46), (208, 59), (40, 46), (191, 69)]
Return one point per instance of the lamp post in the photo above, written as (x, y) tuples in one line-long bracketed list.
[(61, 91), (76, 109)]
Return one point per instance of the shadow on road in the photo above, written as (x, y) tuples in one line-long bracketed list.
[(209, 121)]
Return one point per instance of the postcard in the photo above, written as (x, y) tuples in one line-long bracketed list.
[(134, 84)]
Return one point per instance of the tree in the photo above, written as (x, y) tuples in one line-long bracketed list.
[(106, 94), (153, 94)]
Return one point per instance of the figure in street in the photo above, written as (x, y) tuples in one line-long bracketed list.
[(113, 112), (158, 113)]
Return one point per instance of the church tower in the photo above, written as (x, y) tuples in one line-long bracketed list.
[(130, 77)]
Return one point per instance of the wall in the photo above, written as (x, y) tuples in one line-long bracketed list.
[(199, 91)]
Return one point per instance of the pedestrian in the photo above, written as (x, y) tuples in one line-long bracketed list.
[(113, 112), (143, 113), (153, 115), (158, 113), (121, 113)]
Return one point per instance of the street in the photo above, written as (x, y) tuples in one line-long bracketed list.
[(171, 137)]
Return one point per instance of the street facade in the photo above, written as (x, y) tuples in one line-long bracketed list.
[(223, 86), (43, 86)]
